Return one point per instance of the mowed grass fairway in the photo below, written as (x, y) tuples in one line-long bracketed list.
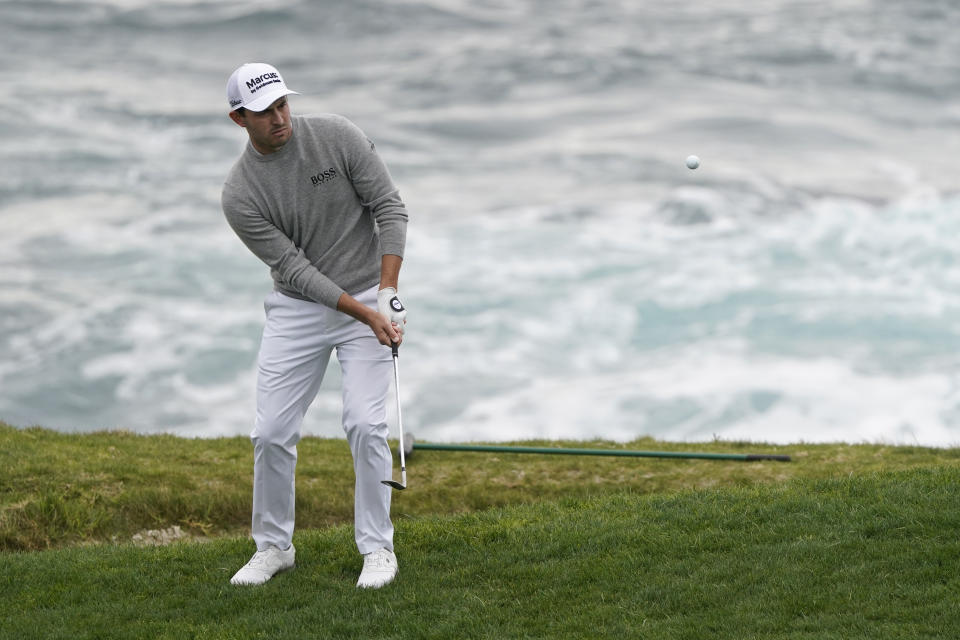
[(844, 542)]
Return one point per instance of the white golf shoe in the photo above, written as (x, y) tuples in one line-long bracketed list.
[(264, 565), (379, 568)]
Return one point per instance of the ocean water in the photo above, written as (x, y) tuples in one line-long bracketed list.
[(566, 275)]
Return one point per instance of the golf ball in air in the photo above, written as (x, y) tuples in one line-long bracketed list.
[(693, 162)]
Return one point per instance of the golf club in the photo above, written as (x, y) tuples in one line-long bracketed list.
[(403, 463)]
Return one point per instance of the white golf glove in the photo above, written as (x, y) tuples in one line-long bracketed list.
[(389, 305)]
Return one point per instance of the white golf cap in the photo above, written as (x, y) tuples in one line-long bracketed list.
[(255, 86)]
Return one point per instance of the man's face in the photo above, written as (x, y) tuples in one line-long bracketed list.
[(269, 129)]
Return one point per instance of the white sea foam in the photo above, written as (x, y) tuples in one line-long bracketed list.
[(714, 392), (566, 274)]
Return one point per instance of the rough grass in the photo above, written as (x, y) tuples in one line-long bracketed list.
[(61, 489)]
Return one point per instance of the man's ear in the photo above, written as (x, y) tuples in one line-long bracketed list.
[(239, 119)]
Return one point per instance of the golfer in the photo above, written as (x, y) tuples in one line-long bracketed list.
[(312, 199)]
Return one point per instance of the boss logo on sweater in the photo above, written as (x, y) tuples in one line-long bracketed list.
[(323, 176)]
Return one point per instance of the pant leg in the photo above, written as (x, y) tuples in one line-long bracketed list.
[(367, 371), (293, 358)]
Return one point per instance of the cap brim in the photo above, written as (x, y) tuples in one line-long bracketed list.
[(264, 101)]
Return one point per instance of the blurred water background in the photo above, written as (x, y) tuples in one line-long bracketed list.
[(567, 276)]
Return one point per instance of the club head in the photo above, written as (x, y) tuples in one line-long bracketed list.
[(394, 484)]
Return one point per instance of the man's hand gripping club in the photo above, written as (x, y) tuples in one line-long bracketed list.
[(382, 327), (390, 307), (388, 320)]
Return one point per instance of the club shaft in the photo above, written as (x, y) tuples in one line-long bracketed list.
[(396, 380)]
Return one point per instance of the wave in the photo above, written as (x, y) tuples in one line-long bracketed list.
[(566, 273)]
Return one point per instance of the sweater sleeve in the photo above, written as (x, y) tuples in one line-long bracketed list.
[(375, 188), (277, 251)]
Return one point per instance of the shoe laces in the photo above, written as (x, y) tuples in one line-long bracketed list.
[(378, 560), (261, 558)]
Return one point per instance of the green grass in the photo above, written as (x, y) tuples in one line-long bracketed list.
[(61, 489), (863, 556), (846, 541)]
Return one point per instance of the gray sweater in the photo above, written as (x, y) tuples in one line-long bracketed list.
[(320, 212)]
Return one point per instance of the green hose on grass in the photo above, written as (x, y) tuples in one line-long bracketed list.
[(409, 446)]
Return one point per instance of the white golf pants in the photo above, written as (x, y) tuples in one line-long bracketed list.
[(298, 338)]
